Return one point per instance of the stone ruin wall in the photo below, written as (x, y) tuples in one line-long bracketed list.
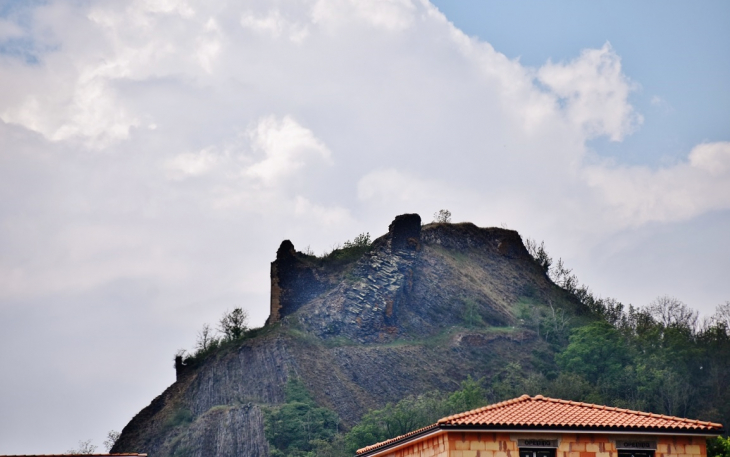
[(294, 282)]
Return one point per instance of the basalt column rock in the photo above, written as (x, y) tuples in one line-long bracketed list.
[(405, 232), (293, 282)]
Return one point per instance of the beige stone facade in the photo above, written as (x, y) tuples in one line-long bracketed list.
[(488, 444)]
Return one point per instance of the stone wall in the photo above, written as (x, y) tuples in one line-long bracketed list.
[(367, 310), (405, 232), (294, 282), (482, 445)]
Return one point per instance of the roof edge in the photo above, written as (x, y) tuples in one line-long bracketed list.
[(400, 440)]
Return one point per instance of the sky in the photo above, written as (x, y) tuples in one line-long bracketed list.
[(154, 154)]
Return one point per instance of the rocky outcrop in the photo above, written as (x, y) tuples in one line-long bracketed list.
[(294, 282), (358, 334), (367, 305), (405, 232), (223, 431)]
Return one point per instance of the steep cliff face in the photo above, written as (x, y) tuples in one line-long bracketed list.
[(423, 308), (294, 282)]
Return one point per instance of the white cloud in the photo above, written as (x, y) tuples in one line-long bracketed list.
[(192, 163), (390, 15), (637, 195), (714, 158), (327, 216), (595, 92), (10, 30), (274, 24), (286, 145), (382, 186), (180, 7)]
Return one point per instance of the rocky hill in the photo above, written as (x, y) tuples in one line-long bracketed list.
[(418, 310)]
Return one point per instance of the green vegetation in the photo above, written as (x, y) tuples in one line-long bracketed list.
[(299, 427), (232, 330), (658, 358), (233, 325), (539, 254), (349, 252), (471, 315), (412, 413), (718, 447), (442, 216), (181, 416)]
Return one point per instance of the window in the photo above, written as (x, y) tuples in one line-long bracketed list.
[(537, 447), (633, 453), (536, 452)]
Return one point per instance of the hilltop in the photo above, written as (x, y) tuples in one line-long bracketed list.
[(420, 309), (404, 321)]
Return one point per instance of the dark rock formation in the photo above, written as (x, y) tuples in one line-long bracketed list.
[(359, 334), (294, 282), (405, 232)]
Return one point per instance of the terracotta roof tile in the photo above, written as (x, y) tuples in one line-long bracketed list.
[(397, 438), (538, 412)]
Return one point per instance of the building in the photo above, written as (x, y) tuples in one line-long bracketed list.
[(546, 427)]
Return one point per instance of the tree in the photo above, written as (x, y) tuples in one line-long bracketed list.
[(85, 447), (111, 439), (442, 216), (539, 254), (597, 353), (360, 241), (671, 312), (470, 396), (409, 414), (233, 324), (299, 426), (471, 315), (721, 318), (413, 412), (718, 447), (206, 340)]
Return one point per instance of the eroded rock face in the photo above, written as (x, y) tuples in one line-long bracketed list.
[(405, 232), (224, 431), (367, 306), (418, 286), (334, 325), (293, 282)]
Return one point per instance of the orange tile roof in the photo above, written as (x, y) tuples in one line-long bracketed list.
[(540, 412)]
